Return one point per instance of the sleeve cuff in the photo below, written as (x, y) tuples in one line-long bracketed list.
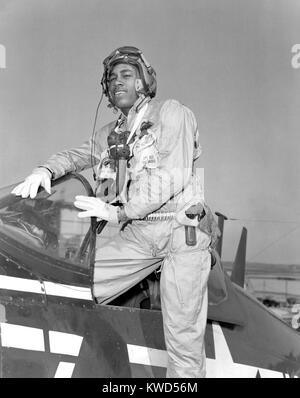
[(50, 171), (122, 216)]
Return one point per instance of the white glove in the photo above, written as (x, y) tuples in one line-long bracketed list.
[(95, 207), (39, 177)]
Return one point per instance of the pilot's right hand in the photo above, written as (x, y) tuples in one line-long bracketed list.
[(39, 177)]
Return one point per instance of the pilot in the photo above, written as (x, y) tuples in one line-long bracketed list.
[(149, 153)]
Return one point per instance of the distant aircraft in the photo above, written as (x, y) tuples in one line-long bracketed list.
[(52, 326)]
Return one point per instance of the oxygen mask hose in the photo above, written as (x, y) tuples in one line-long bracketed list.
[(94, 136), (119, 151)]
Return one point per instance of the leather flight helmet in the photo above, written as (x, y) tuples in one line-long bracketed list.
[(133, 56)]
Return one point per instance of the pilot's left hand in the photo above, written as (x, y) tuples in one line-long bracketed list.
[(95, 207)]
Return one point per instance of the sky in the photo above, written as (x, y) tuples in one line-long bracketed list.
[(230, 61)]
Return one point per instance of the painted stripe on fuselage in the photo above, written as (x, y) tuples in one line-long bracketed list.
[(222, 366), (32, 339), (64, 370), (48, 288), (147, 356), (23, 337), (65, 343)]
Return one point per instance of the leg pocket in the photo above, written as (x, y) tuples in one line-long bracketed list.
[(191, 275), (184, 284), (184, 307)]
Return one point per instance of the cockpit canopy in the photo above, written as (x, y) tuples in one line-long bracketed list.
[(49, 224)]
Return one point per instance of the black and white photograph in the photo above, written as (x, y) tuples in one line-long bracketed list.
[(149, 191)]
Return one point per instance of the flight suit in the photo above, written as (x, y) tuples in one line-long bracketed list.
[(160, 180)]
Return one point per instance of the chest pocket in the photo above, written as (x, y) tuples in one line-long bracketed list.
[(145, 153)]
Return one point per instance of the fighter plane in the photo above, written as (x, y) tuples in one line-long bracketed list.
[(51, 325), (275, 285)]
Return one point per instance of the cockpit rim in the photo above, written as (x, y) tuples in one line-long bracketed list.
[(18, 252)]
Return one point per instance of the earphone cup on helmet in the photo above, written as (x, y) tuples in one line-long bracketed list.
[(139, 85)]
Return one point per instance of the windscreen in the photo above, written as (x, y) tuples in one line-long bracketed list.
[(48, 223)]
